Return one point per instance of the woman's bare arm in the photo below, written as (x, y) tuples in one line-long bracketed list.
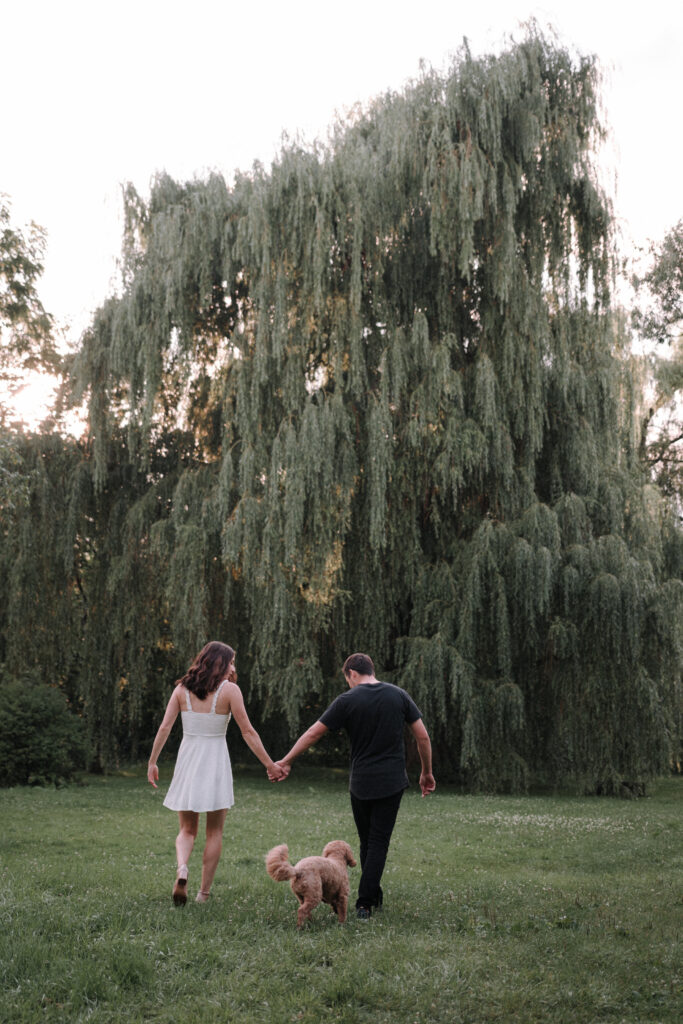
[(172, 709), (249, 734)]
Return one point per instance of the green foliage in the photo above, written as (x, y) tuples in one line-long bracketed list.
[(13, 485), (659, 318), (42, 741), (374, 399), (26, 330)]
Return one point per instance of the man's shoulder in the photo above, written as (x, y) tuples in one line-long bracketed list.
[(395, 689), (364, 694), (401, 697), (369, 690), (338, 706)]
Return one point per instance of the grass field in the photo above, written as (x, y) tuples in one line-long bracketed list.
[(553, 909)]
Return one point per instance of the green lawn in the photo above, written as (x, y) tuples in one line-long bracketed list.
[(553, 909)]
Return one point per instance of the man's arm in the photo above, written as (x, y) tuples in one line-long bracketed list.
[(424, 749), (306, 740)]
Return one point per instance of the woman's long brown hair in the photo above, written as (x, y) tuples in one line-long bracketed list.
[(208, 669)]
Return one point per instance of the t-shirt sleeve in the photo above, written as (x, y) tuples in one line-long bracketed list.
[(411, 711), (334, 717)]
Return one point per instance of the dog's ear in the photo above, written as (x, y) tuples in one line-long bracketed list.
[(349, 858)]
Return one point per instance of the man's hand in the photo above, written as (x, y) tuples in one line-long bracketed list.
[(427, 783), (153, 774), (279, 772)]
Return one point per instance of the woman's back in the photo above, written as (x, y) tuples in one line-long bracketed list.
[(217, 702), (203, 717)]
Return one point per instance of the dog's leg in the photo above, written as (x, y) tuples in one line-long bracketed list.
[(341, 907), (304, 912)]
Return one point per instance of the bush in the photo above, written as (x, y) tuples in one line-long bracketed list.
[(41, 740)]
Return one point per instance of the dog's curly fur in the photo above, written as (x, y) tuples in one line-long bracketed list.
[(315, 879)]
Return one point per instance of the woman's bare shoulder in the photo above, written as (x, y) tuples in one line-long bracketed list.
[(231, 695), (231, 689), (179, 694)]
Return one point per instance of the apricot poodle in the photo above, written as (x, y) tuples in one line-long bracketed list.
[(315, 879)]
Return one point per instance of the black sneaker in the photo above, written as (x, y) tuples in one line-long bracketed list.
[(363, 913)]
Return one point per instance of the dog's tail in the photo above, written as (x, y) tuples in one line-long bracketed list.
[(277, 865)]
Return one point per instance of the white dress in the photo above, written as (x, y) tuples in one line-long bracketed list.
[(202, 778)]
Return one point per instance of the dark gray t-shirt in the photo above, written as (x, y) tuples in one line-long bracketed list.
[(374, 715)]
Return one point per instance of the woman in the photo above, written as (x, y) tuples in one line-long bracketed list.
[(206, 697)]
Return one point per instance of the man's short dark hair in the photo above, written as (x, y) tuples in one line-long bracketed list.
[(360, 663)]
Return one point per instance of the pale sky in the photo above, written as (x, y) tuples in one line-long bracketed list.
[(96, 93)]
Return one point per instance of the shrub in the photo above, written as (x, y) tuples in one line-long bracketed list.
[(41, 740)]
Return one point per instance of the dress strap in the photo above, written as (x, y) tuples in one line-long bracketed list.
[(187, 698), (215, 696)]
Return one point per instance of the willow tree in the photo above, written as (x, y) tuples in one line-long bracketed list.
[(659, 320), (372, 398)]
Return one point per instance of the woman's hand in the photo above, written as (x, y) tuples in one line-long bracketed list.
[(153, 774), (279, 772)]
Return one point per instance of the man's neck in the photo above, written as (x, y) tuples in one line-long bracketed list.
[(365, 680)]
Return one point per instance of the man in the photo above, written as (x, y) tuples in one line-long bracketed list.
[(373, 714)]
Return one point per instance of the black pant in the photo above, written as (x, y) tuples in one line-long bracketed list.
[(375, 820)]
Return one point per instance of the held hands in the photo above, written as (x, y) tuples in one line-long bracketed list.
[(153, 774), (279, 771), (427, 783)]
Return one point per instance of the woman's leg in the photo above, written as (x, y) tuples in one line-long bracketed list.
[(215, 821), (189, 823)]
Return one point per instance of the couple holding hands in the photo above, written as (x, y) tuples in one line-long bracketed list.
[(372, 712)]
